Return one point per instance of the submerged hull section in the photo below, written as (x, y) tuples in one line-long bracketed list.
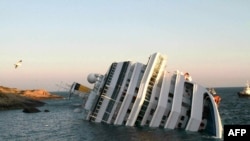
[(136, 94)]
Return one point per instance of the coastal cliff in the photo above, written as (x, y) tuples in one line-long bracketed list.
[(13, 98)]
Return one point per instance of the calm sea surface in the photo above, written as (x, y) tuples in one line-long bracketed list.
[(63, 124)]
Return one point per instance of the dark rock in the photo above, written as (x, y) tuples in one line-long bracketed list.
[(46, 110), (12, 98), (31, 110)]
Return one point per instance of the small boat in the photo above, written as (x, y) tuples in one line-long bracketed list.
[(149, 95), (245, 92)]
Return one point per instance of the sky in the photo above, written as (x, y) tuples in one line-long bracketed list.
[(63, 41)]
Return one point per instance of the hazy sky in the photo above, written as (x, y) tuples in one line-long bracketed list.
[(62, 41)]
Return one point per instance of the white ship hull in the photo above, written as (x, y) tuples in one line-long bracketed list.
[(134, 94)]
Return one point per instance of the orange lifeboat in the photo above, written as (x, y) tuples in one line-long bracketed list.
[(217, 99)]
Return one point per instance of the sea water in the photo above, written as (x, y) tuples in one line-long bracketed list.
[(63, 123)]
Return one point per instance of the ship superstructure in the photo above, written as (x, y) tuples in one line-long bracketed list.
[(136, 94)]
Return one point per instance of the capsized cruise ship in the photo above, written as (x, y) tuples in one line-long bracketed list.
[(149, 95)]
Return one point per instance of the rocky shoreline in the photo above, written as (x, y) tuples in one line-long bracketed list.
[(13, 98)]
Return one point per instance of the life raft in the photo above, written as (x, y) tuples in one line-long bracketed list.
[(217, 99)]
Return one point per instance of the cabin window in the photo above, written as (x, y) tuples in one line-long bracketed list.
[(128, 111), (163, 121), (182, 117), (143, 108), (98, 107), (179, 125), (188, 112), (133, 100), (139, 118), (164, 117), (121, 99), (171, 95), (169, 101), (156, 98), (152, 111), (136, 90), (124, 122)]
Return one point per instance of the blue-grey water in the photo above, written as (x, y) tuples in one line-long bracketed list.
[(63, 124)]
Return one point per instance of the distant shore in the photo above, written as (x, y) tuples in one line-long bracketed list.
[(13, 98)]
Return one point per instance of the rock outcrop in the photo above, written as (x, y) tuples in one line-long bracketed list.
[(14, 101), (12, 98), (31, 110), (34, 94)]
